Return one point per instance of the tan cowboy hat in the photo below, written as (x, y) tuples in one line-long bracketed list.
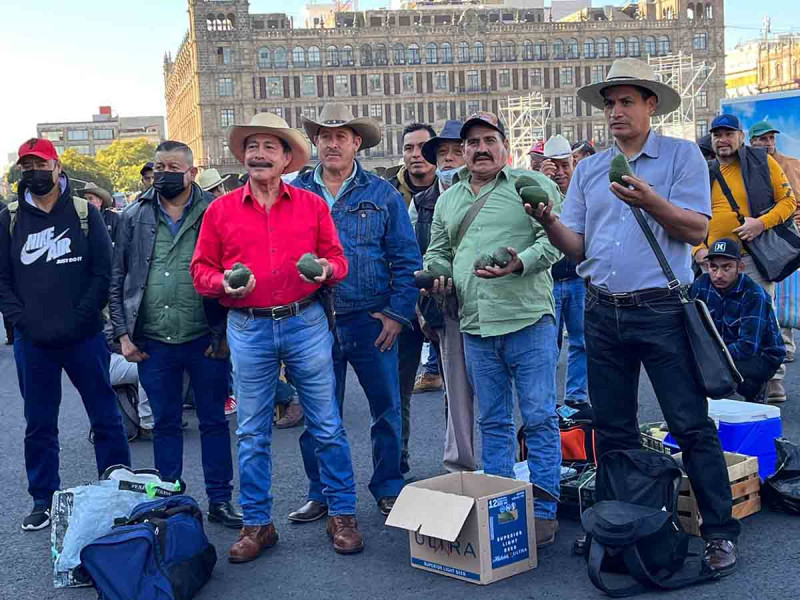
[(631, 71), (103, 194), (337, 114), (267, 122), (557, 147), (209, 179)]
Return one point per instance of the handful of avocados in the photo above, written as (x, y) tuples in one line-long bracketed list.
[(239, 276), (309, 267), (531, 192), (424, 279), (499, 258), (619, 168)]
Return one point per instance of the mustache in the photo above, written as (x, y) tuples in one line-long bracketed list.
[(482, 155), (260, 164)]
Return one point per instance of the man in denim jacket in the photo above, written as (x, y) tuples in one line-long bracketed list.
[(374, 302)]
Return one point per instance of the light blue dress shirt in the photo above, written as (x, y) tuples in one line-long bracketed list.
[(328, 196)]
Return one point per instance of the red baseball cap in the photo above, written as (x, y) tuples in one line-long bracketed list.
[(38, 147), (537, 148)]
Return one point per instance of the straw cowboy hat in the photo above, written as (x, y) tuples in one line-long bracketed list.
[(266, 122), (336, 114), (557, 147), (209, 179), (631, 71), (104, 195)]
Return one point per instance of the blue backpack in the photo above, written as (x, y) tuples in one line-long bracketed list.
[(160, 552)]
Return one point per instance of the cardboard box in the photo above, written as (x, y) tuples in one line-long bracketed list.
[(474, 527)]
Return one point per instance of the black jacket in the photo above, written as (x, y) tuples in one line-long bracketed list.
[(136, 240), (425, 202), (111, 220), (757, 180), (54, 279)]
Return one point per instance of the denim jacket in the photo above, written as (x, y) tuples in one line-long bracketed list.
[(379, 243)]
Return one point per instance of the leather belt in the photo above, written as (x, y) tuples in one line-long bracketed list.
[(633, 299), (279, 312)]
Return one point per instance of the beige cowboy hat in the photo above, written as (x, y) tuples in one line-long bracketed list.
[(631, 71), (557, 147), (337, 114), (267, 122), (103, 194), (209, 179)]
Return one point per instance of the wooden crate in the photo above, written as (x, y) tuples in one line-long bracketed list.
[(745, 487)]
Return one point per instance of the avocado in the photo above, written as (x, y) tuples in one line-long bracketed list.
[(619, 167), (308, 266), (525, 181), (239, 276), (483, 261), (533, 196), (501, 257), (424, 280)]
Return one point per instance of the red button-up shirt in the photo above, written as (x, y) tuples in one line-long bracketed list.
[(236, 228)]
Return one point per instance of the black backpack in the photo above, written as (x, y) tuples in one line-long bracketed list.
[(634, 527)]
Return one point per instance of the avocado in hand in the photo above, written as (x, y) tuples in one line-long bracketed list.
[(239, 276), (309, 267), (501, 257), (619, 168), (424, 280)]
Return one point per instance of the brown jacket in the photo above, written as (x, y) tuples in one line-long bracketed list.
[(790, 166)]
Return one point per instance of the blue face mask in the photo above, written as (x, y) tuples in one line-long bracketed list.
[(446, 177)]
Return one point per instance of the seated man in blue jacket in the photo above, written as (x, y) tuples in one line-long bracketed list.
[(743, 315)]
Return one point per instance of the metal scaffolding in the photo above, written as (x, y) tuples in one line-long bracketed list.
[(690, 79), (525, 118)]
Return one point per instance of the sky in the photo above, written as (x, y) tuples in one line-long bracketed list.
[(62, 60)]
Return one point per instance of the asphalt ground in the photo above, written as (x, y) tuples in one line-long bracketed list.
[(303, 564)]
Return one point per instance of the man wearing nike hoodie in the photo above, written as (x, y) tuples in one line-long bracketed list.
[(54, 282)]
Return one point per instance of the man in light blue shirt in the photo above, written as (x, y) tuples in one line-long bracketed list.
[(633, 315)]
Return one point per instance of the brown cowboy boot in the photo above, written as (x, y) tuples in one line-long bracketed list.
[(292, 417), (253, 540), (347, 539)]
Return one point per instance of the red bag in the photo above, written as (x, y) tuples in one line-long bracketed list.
[(577, 440)]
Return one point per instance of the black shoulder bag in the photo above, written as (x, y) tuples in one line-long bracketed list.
[(715, 368), (776, 252)]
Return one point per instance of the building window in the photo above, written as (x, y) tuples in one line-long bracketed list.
[(702, 99), (314, 56), (650, 45), (82, 149), (633, 47), (565, 76), (509, 53), (225, 55), (663, 45), (299, 57), (103, 134), (480, 52), (447, 54), (310, 112), (347, 56), (701, 128), (504, 79), (431, 54), (700, 41), (603, 49), (597, 73), (589, 49), (441, 111), (225, 86), (381, 55), (599, 134), (341, 85), (309, 86), (536, 77), (376, 111), (527, 50), (53, 136), (274, 87), (399, 54), (567, 105), (620, 46), (473, 81), (332, 56), (568, 131), (473, 106), (281, 57), (264, 57), (409, 83), (496, 50), (463, 52), (226, 117), (413, 54), (572, 48), (275, 110), (374, 83), (77, 134), (441, 80), (366, 55), (558, 49), (409, 112)]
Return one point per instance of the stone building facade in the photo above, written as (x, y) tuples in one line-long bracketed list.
[(400, 66), (779, 64)]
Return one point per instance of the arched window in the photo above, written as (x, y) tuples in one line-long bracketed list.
[(463, 52), (690, 12), (314, 56), (299, 57), (620, 46), (366, 55), (480, 52), (603, 49), (346, 56), (663, 45), (447, 53), (540, 50), (281, 57), (633, 47), (698, 10), (650, 45), (709, 11), (381, 55), (413, 54), (264, 58), (230, 21), (589, 49), (496, 51), (331, 56), (431, 54), (572, 48), (399, 54), (527, 50), (558, 48), (509, 51)]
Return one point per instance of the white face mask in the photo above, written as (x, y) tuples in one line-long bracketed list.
[(446, 177)]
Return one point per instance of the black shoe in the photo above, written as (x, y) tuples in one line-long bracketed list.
[(386, 504), (38, 519), (720, 557), (310, 511), (225, 513)]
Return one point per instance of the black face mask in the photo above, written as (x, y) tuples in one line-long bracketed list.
[(169, 184), (38, 182)]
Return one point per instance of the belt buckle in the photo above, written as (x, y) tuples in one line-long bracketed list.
[(279, 313), (621, 299)]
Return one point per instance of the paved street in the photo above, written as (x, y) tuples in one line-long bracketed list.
[(303, 565)]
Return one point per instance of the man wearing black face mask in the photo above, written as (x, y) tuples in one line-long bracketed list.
[(163, 324), (55, 265)]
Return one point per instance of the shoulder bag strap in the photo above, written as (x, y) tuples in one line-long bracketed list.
[(471, 214), (651, 239), (726, 191), (596, 555)]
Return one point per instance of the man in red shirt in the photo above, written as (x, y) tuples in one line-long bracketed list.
[(277, 317)]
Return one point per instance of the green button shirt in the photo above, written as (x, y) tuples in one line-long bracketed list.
[(493, 307)]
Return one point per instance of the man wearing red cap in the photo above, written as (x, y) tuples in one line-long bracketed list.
[(55, 271)]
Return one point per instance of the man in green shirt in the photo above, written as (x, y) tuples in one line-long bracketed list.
[(506, 313)]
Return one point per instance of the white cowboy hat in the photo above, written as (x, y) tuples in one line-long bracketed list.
[(267, 122), (557, 147), (209, 179), (337, 114), (631, 71), (96, 190)]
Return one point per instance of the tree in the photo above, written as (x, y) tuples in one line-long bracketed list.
[(85, 168), (123, 160)]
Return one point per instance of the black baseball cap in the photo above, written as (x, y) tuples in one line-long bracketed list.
[(725, 247), (146, 167)]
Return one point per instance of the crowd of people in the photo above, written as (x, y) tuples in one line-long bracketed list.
[(145, 296)]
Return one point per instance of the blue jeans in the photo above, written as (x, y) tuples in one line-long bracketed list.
[(378, 374), (39, 370), (569, 295), (525, 362), (161, 376), (303, 343), (432, 364)]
